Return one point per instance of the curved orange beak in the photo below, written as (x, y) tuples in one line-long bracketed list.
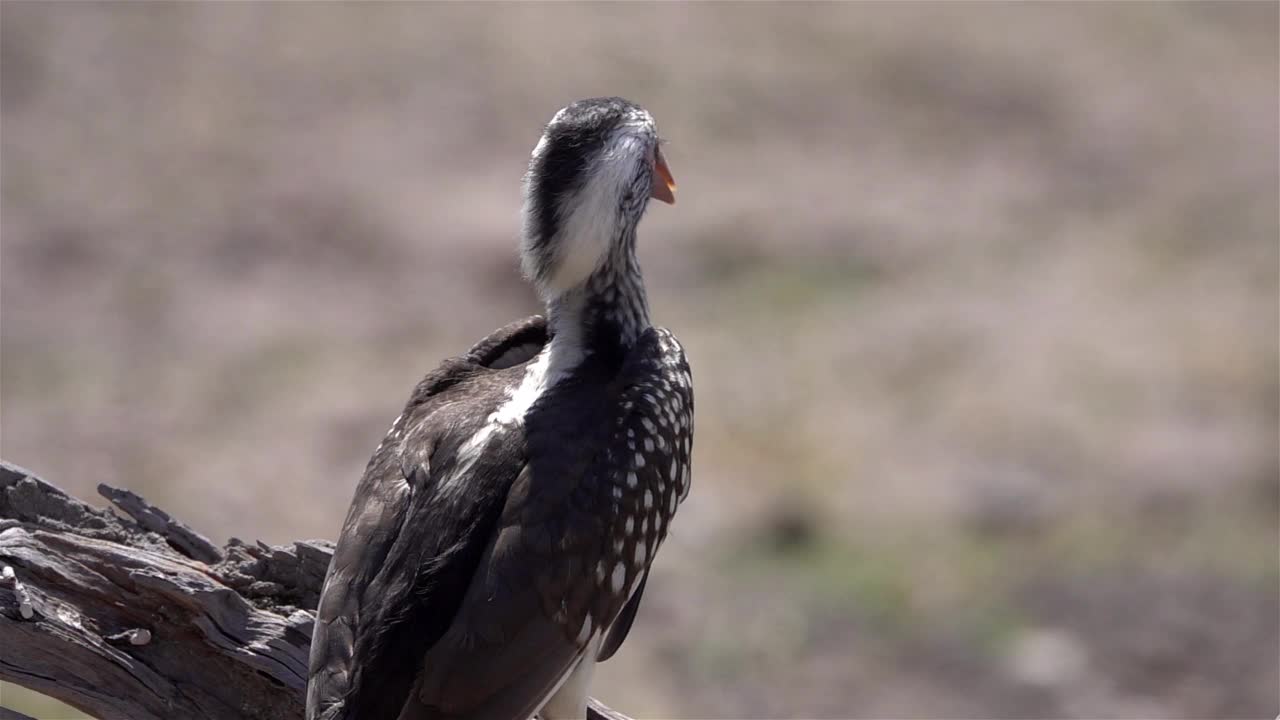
[(664, 186)]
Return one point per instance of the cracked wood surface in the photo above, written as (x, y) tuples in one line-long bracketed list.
[(143, 618)]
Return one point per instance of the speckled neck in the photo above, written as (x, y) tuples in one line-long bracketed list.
[(608, 312)]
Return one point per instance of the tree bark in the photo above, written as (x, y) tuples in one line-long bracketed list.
[(143, 618)]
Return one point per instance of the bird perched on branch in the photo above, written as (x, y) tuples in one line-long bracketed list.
[(499, 541)]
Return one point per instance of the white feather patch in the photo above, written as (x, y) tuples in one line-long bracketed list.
[(590, 220)]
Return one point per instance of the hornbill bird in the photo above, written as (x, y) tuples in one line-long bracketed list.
[(499, 541)]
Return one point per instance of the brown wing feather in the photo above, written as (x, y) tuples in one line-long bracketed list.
[(368, 560), (622, 624)]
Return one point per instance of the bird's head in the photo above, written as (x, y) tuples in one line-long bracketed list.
[(589, 181)]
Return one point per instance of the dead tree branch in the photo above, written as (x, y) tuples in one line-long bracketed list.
[(141, 617)]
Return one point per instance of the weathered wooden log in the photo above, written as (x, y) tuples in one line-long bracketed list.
[(142, 618)]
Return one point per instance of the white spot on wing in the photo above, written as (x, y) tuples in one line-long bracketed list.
[(619, 576)]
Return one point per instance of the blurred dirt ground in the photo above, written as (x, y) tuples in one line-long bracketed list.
[(982, 303)]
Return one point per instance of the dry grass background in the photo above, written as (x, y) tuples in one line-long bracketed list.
[(981, 302)]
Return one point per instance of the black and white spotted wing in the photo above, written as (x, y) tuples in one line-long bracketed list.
[(598, 545), (500, 610)]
